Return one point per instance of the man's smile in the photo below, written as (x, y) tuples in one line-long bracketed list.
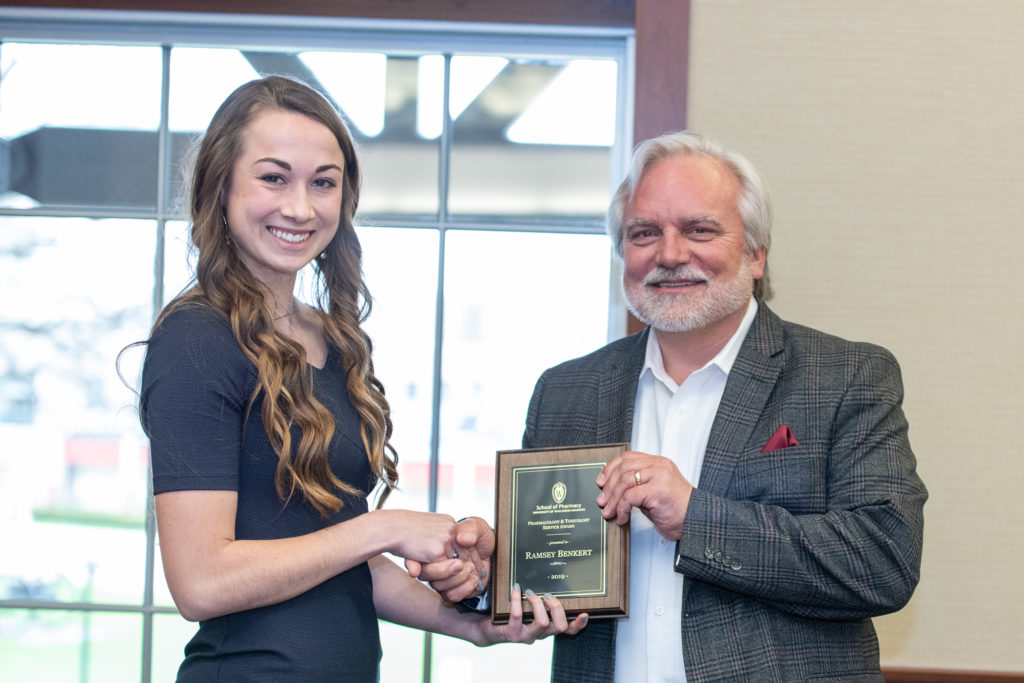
[(675, 278), (676, 284)]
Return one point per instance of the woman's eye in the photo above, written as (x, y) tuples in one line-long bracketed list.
[(272, 178), (325, 183)]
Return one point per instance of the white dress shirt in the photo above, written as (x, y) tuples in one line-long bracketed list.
[(673, 421)]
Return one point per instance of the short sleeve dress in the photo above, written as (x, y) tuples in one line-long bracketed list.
[(195, 407)]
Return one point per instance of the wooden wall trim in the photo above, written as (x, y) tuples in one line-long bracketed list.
[(662, 75), (915, 675), (662, 67), (605, 13)]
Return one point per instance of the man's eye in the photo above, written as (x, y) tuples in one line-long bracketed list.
[(703, 231)]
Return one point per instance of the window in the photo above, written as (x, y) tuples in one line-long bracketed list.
[(488, 159)]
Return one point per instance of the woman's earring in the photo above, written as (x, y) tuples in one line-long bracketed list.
[(323, 255), (224, 220)]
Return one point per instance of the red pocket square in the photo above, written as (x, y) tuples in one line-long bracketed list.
[(782, 438)]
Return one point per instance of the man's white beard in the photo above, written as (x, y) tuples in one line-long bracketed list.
[(691, 308)]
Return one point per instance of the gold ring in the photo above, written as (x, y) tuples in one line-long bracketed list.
[(636, 477)]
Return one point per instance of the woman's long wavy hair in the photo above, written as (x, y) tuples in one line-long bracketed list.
[(225, 284)]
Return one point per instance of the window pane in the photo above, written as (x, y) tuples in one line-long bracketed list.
[(179, 267), (103, 102), (403, 654), (531, 143), (200, 80), (400, 267), (179, 259), (161, 593), (535, 140), (379, 96), (514, 306), (170, 634), (399, 164), (356, 81), (457, 660), (49, 645), (73, 464)]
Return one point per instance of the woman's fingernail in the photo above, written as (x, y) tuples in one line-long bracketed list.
[(584, 619), (479, 585), (515, 588), (530, 592), (549, 596), (483, 573)]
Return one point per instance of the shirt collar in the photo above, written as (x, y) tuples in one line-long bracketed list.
[(723, 360)]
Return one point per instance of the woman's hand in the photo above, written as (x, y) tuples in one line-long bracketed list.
[(548, 619), (420, 536), (466, 576)]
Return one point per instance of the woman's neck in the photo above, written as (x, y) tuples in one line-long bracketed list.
[(281, 310)]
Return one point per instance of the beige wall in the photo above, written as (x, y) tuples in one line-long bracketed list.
[(890, 133)]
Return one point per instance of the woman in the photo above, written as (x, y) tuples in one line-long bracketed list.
[(268, 427)]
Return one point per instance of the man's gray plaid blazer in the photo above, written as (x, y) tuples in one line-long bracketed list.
[(787, 554)]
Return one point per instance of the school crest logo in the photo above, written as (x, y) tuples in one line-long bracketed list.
[(558, 492)]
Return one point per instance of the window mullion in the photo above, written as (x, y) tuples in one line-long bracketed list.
[(163, 157), (444, 165)]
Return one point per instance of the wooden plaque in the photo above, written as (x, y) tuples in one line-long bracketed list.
[(550, 536)]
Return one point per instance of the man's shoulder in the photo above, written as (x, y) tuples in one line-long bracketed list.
[(801, 345), (770, 330), (806, 339)]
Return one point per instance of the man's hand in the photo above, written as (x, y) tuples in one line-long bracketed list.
[(465, 576), (649, 482)]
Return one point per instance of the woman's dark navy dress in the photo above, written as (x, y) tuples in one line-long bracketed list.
[(195, 406)]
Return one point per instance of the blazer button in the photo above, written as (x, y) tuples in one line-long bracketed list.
[(709, 553), (718, 556), (736, 565)]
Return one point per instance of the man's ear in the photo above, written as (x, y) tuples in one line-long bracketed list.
[(758, 258)]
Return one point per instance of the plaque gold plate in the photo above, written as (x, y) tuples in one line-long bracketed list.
[(550, 536)]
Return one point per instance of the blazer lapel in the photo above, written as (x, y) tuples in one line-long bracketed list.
[(617, 392), (751, 380)]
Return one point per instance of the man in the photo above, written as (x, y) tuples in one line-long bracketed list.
[(771, 489)]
